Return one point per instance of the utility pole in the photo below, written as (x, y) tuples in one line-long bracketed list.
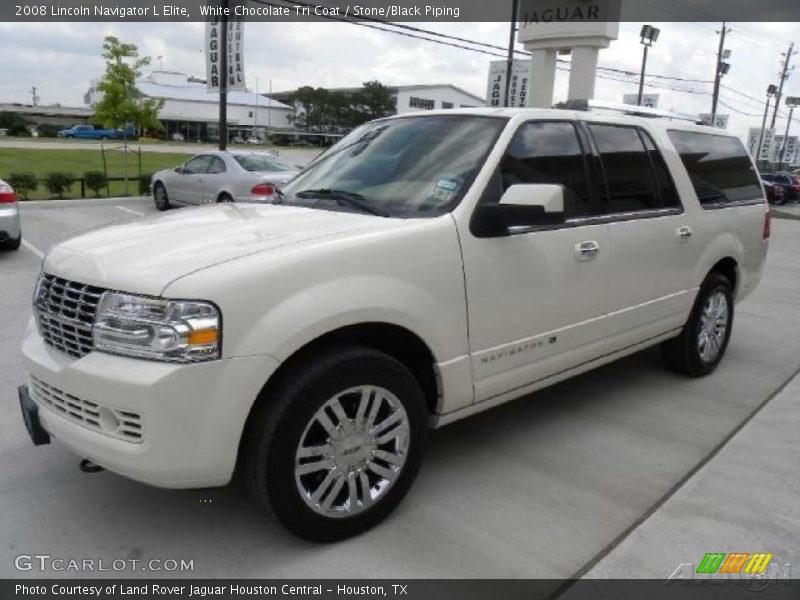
[(785, 72), (223, 81), (771, 89), (34, 97), (718, 74), (510, 59)]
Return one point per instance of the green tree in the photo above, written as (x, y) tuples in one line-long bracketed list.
[(122, 104), (375, 100)]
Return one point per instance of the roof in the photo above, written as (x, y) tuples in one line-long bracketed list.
[(198, 92), (551, 113), (394, 89)]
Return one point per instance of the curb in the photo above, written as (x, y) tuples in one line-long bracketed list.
[(77, 201)]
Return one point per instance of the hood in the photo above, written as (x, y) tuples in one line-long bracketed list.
[(145, 255)]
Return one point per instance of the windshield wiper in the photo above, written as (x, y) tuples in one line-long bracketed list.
[(343, 196)]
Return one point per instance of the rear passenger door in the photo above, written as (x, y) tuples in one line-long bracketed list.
[(651, 245)]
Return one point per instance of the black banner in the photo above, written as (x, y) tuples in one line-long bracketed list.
[(530, 11), (415, 589)]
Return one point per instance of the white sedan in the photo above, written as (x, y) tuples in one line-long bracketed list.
[(217, 176)]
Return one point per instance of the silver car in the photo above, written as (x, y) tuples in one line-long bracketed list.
[(217, 176), (10, 230)]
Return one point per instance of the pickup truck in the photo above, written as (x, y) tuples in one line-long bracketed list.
[(88, 132)]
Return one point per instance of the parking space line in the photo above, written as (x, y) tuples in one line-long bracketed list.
[(135, 212), (32, 248)]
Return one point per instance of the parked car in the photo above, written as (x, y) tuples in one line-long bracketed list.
[(88, 132), (221, 177), (427, 268), (775, 193), (787, 181), (254, 141), (10, 229), (177, 137)]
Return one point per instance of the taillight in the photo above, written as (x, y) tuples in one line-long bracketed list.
[(7, 194), (263, 189), (767, 225)]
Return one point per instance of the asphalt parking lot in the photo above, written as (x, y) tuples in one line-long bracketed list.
[(573, 479)]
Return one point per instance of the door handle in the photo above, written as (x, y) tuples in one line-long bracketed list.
[(684, 233), (587, 250)]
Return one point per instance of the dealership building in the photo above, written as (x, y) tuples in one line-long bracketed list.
[(412, 98), (193, 112)]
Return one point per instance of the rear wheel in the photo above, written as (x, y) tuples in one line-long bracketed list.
[(12, 244), (160, 196), (702, 343), (336, 446)]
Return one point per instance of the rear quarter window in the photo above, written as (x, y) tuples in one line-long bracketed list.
[(719, 168)]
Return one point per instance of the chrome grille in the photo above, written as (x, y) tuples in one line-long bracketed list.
[(121, 424), (65, 313)]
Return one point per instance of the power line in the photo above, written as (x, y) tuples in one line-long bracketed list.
[(610, 73)]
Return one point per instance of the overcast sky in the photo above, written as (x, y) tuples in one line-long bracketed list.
[(61, 58)]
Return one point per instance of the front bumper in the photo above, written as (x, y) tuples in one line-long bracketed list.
[(192, 416)]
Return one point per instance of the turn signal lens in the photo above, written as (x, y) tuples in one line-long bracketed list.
[(202, 337)]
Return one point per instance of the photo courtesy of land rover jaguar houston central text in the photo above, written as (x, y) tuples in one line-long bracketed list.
[(425, 268)]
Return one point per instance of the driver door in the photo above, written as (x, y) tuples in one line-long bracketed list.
[(537, 297), (185, 187)]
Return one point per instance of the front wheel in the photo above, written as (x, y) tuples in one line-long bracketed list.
[(160, 196), (702, 343), (336, 446)]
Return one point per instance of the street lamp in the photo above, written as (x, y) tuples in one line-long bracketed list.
[(649, 35), (771, 89), (791, 102)]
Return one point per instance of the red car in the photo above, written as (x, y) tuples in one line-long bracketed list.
[(775, 193), (787, 181)]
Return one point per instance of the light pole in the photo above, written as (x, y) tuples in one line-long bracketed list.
[(649, 35), (791, 102), (771, 89)]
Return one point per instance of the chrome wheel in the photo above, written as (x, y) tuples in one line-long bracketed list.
[(713, 326), (352, 451)]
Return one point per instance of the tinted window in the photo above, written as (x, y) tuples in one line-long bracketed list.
[(629, 173), (666, 186), (199, 164), (718, 165), (544, 152)]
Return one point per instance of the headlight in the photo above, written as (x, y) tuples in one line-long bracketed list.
[(168, 330)]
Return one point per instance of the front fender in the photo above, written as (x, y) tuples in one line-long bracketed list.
[(320, 309)]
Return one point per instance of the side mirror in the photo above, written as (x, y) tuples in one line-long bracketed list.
[(522, 205), (179, 169)]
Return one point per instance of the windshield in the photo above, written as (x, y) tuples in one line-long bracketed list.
[(413, 166), (261, 162)]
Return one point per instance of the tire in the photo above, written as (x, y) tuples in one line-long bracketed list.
[(288, 418), (12, 244), (702, 343), (161, 197), (224, 198)]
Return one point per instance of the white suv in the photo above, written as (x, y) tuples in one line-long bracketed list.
[(425, 268)]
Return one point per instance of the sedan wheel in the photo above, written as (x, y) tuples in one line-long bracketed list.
[(160, 196)]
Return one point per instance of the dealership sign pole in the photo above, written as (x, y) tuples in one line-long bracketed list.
[(223, 82)]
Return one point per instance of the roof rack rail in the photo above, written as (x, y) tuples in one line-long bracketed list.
[(630, 109)]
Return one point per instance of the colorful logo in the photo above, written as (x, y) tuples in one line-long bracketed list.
[(735, 562)]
